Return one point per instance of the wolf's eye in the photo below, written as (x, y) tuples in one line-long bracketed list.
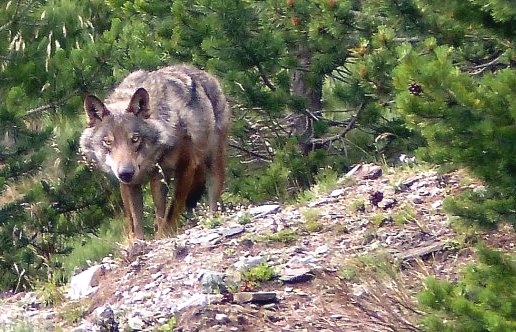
[(135, 138), (107, 142)]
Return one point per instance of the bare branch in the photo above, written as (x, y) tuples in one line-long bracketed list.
[(480, 68), (252, 153), (264, 77)]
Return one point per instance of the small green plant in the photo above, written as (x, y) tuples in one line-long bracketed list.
[(313, 226), (245, 218), (286, 236), (327, 180), (367, 266), (380, 263), (358, 205), (369, 236), (311, 217), (169, 326), (73, 312), (406, 214), (378, 219), (212, 222), (349, 273), (305, 196), (256, 275), (340, 228), (50, 293), (19, 327)]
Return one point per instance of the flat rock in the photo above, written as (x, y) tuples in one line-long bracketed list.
[(387, 203), (248, 262), (223, 318), (366, 172), (422, 251), (320, 250), (255, 297), (295, 275), (233, 231), (264, 210), (337, 192)]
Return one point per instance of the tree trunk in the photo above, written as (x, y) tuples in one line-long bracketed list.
[(309, 87)]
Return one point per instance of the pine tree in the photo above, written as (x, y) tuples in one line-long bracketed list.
[(457, 87), (483, 300), (309, 81), (460, 92), (46, 197)]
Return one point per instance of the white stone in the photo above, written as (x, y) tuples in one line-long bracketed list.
[(264, 209), (321, 249), (248, 262), (222, 318), (337, 192), (80, 284)]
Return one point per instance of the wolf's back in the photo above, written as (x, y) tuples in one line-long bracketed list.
[(180, 96)]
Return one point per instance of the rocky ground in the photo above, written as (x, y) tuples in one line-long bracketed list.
[(348, 259)]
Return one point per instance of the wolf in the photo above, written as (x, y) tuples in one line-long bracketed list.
[(156, 126)]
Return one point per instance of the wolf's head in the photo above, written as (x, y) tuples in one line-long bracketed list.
[(120, 138)]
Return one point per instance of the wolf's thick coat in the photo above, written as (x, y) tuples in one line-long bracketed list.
[(168, 123)]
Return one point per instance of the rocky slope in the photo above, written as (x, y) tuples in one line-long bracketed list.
[(348, 260)]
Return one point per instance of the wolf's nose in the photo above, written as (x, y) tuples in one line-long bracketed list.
[(126, 174)]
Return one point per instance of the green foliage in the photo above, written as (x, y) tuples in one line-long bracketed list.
[(404, 214), (485, 208), (257, 275), (50, 294), (379, 264), (285, 236), (358, 205), (213, 222), (88, 248), (244, 218), (311, 218), (466, 112), (275, 59), (483, 300), (19, 327), (169, 326), (73, 312)]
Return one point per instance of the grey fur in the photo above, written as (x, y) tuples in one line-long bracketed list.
[(183, 101), (176, 117)]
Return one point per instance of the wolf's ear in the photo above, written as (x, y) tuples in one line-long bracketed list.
[(95, 110), (139, 104)]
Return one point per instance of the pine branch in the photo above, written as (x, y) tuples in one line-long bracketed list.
[(50, 107), (258, 65), (319, 142)]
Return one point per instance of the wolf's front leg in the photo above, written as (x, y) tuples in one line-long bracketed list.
[(159, 190), (132, 198), (183, 181)]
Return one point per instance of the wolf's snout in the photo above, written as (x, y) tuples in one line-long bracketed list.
[(126, 174)]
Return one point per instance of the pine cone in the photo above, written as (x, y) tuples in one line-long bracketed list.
[(415, 89)]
